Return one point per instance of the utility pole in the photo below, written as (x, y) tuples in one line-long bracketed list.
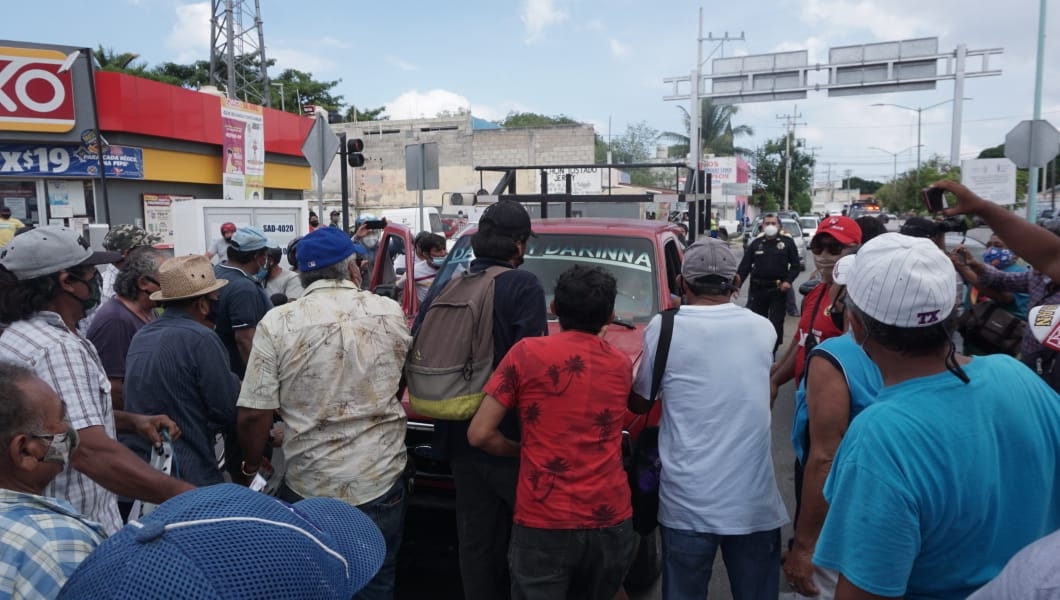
[(831, 188), (789, 132), (695, 80), (813, 173)]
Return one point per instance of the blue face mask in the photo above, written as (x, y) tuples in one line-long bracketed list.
[(437, 261), (260, 276)]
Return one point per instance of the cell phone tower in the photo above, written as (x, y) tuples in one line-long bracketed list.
[(237, 51)]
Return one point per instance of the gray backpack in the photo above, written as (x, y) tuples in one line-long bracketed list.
[(451, 357)]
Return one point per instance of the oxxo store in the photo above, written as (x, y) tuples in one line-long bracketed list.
[(159, 143)]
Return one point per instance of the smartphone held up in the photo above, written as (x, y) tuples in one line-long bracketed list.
[(933, 200)]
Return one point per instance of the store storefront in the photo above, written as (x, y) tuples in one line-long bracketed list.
[(159, 142)]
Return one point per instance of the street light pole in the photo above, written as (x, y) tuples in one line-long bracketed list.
[(894, 172), (919, 125), (283, 99)]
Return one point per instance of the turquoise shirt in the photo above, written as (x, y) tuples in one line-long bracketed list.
[(939, 483), (863, 382)]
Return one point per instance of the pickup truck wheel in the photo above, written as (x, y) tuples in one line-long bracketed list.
[(647, 565)]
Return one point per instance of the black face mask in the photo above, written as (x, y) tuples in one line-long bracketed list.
[(837, 315)]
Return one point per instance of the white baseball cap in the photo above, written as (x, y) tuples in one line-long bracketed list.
[(901, 281), (842, 269)]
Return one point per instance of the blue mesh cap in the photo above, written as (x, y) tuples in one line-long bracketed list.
[(249, 239), (226, 541)]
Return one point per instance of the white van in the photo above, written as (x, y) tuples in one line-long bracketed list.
[(410, 217)]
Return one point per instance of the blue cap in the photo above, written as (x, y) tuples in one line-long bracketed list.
[(249, 239), (323, 248), (226, 541)]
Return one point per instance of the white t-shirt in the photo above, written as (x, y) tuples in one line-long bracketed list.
[(1032, 573), (219, 249), (423, 276), (715, 434)]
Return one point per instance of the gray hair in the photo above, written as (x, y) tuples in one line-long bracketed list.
[(143, 261), (16, 413), (339, 271)]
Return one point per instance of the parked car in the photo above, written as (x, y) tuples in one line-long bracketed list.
[(1045, 215), (809, 226), (645, 258)]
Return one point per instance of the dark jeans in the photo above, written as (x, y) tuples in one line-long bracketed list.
[(752, 560), (485, 501), (388, 514), (771, 303), (547, 564)]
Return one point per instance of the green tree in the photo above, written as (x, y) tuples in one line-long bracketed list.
[(528, 119), (867, 186), (717, 133), (191, 76), (637, 145), (373, 114), (768, 171), (110, 60)]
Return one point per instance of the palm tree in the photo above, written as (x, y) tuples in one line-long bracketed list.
[(109, 60), (717, 134)]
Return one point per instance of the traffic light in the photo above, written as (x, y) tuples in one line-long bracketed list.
[(354, 148)]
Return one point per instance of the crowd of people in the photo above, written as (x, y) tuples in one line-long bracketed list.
[(920, 471)]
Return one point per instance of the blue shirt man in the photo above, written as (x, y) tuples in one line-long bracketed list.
[(244, 301), (949, 474), (177, 364)]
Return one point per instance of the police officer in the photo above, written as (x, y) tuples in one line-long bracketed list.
[(772, 261)]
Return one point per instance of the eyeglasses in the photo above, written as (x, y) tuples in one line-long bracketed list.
[(51, 437), (833, 248)]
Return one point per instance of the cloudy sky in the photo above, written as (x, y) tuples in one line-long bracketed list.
[(603, 61)]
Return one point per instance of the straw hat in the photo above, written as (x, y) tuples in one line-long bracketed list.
[(186, 277)]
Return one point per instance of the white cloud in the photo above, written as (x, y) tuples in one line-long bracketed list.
[(882, 19), (538, 15), (189, 36), (401, 64), (414, 104), (594, 25), (618, 49), (334, 43), (301, 60)]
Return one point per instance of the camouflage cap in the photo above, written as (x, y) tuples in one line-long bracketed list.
[(126, 237)]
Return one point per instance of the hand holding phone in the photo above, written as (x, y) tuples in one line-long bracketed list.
[(932, 197)]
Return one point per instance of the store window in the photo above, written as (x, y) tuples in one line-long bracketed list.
[(21, 198)]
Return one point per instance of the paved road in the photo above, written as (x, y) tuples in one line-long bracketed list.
[(428, 564)]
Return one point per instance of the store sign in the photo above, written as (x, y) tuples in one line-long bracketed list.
[(34, 95), (23, 160)]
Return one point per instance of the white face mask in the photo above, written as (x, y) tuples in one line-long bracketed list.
[(825, 262), (771, 230), (370, 241)]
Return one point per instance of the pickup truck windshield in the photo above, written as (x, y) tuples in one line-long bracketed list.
[(631, 260)]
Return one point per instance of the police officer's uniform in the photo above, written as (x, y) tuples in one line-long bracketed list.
[(769, 262)]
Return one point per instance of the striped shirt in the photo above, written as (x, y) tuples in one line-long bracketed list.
[(1035, 284), (69, 364), (42, 540)]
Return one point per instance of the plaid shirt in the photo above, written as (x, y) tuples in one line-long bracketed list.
[(42, 540), (1035, 284), (69, 363)]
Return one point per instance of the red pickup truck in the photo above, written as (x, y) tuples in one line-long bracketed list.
[(645, 258)]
